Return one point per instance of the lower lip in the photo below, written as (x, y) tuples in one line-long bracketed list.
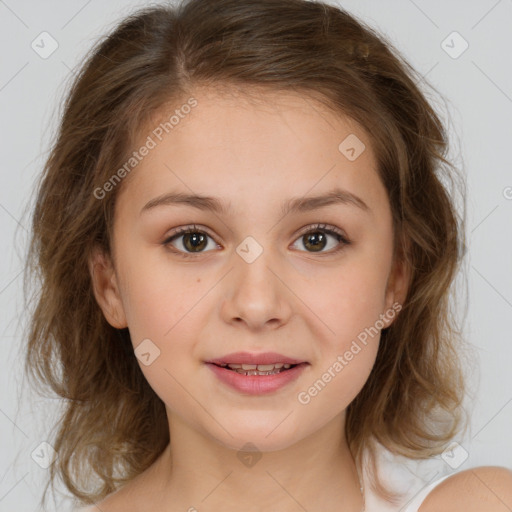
[(257, 384)]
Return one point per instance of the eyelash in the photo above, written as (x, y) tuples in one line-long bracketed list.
[(324, 228)]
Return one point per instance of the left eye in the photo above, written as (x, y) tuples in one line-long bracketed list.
[(316, 239)]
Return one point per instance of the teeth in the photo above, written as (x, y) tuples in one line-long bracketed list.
[(265, 367), (260, 367), (257, 369)]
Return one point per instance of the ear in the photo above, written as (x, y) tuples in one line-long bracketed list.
[(397, 287), (106, 289)]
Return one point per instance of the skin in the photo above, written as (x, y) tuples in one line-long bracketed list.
[(253, 155), (486, 488)]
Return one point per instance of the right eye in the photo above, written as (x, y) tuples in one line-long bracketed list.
[(192, 240)]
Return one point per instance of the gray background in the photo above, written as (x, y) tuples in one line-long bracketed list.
[(477, 106)]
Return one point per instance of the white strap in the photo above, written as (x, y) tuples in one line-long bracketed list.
[(418, 499)]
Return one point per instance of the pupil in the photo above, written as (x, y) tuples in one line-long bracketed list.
[(196, 240), (314, 238)]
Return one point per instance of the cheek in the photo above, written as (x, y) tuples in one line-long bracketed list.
[(164, 311), (347, 300), (157, 295), (348, 306), (348, 351)]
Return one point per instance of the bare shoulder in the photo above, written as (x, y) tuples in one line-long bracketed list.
[(485, 488)]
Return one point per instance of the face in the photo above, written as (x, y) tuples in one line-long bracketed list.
[(312, 281)]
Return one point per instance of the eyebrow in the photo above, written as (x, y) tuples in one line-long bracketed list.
[(293, 205)]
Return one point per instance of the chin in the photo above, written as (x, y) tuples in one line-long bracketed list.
[(269, 433)]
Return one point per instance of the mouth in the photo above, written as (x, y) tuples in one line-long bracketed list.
[(258, 369), (265, 363), (257, 374), (257, 379)]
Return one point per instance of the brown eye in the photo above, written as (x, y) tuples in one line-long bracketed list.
[(193, 241), (316, 239)]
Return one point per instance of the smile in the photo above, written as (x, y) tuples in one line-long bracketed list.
[(257, 369), (251, 379)]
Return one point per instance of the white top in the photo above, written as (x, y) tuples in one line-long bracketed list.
[(417, 500), (408, 504), (413, 479)]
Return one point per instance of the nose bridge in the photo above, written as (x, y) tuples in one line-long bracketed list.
[(255, 294), (253, 260)]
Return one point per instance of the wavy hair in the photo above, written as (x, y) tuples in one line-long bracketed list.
[(113, 425)]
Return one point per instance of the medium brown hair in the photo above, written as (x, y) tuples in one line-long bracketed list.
[(114, 426)]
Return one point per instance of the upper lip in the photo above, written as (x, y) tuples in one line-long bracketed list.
[(252, 358)]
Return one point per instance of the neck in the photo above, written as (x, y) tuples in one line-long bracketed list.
[(317, 473)]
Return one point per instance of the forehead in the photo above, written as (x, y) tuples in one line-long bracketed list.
[(233, 115), (235, 143)]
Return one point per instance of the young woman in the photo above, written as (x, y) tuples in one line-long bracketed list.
[(246, 254)]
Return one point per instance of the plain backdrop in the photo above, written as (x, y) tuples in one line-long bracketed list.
[(471, 70)]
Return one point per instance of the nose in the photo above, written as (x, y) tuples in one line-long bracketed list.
[(256, 295)]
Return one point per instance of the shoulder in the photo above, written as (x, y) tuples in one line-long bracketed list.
[(486, 488)]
